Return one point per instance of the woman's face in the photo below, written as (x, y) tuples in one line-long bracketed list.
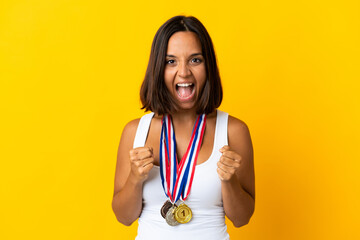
[(185, 71)]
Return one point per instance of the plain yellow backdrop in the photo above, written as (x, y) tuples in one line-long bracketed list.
[(70, 74)]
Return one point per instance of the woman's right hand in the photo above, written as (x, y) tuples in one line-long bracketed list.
[(141, 161)]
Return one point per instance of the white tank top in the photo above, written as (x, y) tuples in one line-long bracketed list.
[(205, 198)]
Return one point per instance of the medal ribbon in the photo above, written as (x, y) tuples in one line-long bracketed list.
[(177, 178)]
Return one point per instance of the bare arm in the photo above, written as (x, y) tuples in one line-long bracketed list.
[(236, 170), (131, 171)]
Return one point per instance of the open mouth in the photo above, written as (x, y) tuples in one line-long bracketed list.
[(185, 90)]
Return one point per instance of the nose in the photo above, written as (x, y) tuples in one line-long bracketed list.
[(184, 70)]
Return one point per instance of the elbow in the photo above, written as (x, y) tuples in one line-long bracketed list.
[(122, 219), (242, 222), (238, 224), (125, 222)]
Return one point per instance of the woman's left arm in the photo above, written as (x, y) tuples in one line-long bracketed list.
[(236, 171)]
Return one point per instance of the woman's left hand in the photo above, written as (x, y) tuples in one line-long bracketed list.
[(228, 164)]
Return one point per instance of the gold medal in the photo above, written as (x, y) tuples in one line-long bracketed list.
[(183, 213)]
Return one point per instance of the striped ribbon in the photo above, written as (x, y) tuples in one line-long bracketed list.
[(177, 177)]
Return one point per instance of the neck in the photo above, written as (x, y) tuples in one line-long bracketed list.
[(184, 117)]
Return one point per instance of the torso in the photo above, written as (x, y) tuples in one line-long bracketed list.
[(205, 198)]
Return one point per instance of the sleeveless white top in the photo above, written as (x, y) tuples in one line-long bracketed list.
[(205, 200)]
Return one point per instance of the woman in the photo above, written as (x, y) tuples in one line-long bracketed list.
[(184, 166)]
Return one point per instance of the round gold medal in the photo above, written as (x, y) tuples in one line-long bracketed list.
[(183, 213)]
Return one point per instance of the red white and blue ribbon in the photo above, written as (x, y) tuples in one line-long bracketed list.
[(177, 177)]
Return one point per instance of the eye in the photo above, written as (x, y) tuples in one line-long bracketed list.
[(196, 60), (170, 61)]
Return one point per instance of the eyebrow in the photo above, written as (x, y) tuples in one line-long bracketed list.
[(194, 54)]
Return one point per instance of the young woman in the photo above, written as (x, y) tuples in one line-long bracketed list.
[(186, 165)]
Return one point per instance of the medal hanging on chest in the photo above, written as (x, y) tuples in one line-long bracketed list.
[(177, 177)]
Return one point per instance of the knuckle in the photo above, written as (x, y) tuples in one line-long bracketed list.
[(149, 167), (144, 156)]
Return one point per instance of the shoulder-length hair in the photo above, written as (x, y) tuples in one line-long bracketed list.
[(153, 93)]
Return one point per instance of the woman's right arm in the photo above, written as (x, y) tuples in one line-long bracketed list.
[(132, 168)]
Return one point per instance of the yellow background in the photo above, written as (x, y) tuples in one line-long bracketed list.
[(70, 74)]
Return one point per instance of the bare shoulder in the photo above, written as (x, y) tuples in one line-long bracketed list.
[(237, 126), (131, 126), (129, 131)]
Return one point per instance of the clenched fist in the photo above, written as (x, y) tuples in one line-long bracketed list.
[(142, 161), (228, 164)]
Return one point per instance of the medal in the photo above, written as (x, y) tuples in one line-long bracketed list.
[(165, 208), (183, 213), (170, 219), (176, 178)]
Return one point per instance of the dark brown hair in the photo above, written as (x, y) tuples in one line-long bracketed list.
[(153, 93)]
